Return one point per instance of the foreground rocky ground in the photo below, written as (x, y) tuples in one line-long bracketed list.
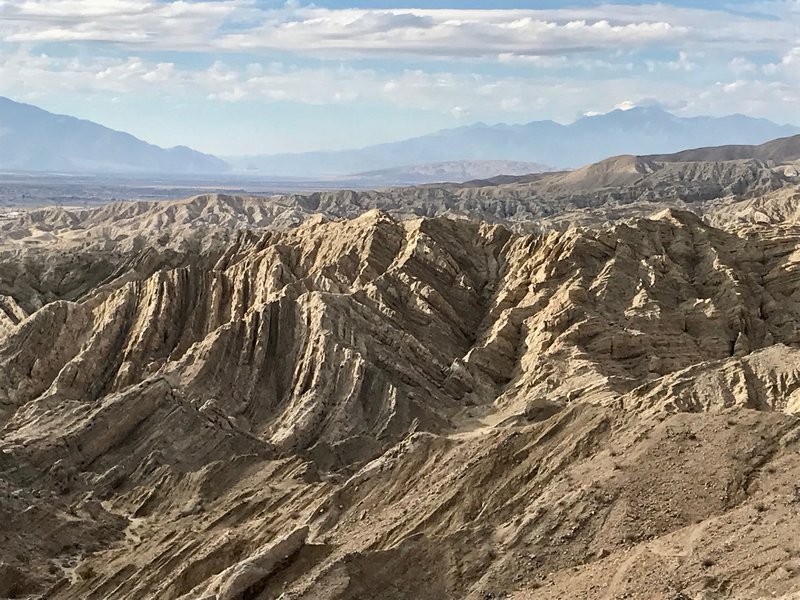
[(201, 400)]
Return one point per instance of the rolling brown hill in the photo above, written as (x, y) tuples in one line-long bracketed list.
[(780, 151)]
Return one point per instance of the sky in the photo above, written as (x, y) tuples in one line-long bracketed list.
[(235, 77)]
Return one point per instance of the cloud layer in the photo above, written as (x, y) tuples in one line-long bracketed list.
[(464, 64), (239, 25)]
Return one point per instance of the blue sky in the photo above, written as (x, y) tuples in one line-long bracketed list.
[(249, 76)]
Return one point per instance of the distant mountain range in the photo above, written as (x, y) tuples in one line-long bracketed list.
[(32, 139), (641, 130)]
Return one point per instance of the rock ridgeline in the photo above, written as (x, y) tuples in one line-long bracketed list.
[(620, 187), (392, 408)]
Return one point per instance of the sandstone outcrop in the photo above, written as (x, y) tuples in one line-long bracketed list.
[(236, 404)]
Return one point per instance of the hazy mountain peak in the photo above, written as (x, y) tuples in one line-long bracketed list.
[(645, 129), (37, 140)]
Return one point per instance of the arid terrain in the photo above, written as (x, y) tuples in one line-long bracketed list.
[(575, 385)]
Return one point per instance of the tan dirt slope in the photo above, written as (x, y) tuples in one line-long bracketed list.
[(398, 408)]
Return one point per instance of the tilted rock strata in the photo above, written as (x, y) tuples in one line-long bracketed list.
[(425, 408)]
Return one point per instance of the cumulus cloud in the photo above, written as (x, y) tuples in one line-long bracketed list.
[(460, 96), (241, 25), (164, 25), (788, 67), (625, 105), (446, 33), (682, 63), (741, 65), (554, 63)]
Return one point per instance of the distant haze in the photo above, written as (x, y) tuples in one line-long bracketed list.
[(641, 130), (32, 139), (233, 77), (35, 140)]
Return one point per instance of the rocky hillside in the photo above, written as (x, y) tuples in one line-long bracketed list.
[(780, 151), (619, 187), (228, 398)]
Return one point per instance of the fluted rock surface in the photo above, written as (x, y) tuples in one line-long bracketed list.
[(398, 408)]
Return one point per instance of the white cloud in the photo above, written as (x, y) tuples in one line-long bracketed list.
[(554, 63), (681, 63), (455, 95), (741, 65), (241, 25), (445, 33), (512, 103), (626, 105), (788, 67), (158, 25), (582, 62)]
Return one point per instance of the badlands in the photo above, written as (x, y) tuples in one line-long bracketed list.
[(577, 385)]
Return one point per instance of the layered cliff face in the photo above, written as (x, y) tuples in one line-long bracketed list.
[(389, 408)]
